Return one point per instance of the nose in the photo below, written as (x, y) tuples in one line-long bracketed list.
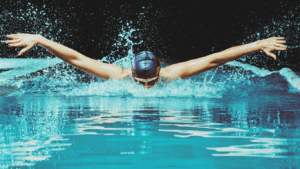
[(148, 87)]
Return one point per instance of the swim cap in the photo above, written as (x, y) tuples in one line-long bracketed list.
[(144, 65)]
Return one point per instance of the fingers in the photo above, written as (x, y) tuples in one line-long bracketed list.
[(281, 41), (12, 41), (283, 47), (277, 38), (280, 48), (13, 36), (271, 54), (25, 49), (16, 44)]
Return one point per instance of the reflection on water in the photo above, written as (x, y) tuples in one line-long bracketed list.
[(64, 131)]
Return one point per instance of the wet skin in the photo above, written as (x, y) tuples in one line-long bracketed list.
[(149, 86), (181, 70), (158, 69)]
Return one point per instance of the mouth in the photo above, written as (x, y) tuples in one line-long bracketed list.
[(148, 86), (142, 82)]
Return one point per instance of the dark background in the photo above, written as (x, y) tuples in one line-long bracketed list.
[(175, 31)]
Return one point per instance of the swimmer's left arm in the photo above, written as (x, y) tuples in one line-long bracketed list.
[(89, 65), (196, 66)]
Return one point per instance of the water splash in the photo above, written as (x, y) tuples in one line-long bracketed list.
[(69, 81), (28, 18), (124, 35), (217, 83), (237, 80), (287, 26)]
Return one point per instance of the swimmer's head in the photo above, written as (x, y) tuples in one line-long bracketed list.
[(145, 68)]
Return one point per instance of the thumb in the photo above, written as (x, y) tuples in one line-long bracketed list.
[(24, 50), (271, 54)]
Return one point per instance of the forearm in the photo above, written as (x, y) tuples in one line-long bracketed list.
[(89, 65), (195, 66), (66, 54), (199, 65), (236, 52)]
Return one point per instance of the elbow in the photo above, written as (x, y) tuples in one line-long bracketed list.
[(215, 64), (217, 59), (76, 60)]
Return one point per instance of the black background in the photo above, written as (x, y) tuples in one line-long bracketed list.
[(173, 30)]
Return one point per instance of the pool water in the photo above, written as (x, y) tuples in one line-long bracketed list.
[(53, 115), (229, 117), (113, 132)]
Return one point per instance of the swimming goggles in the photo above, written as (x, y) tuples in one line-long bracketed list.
[(146, 82)]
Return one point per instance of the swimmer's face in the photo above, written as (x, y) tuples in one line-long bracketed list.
[(147, 83), (148, 87)]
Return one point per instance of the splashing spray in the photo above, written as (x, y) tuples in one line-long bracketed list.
[(124, 35)]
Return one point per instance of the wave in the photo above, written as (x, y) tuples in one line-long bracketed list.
[(232, 79)]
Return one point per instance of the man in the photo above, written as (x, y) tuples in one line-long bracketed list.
[(145, 67)]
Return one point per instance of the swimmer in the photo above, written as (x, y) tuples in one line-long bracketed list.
[(146, 69)]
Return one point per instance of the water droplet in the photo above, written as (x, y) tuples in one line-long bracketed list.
[(5, 12), (12, 56)]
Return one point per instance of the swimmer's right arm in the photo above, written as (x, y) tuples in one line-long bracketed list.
[(89, 65), (199, 65)]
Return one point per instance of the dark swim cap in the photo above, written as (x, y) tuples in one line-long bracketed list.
[(144, 65)]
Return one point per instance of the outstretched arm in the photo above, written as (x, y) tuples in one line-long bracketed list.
[(91, 66), (196, 66)]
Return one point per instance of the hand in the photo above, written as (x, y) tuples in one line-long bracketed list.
[(26, 40), (270, 44)]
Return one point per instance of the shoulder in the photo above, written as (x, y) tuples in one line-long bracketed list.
[(123, 74), (164, 72), (127, 72)]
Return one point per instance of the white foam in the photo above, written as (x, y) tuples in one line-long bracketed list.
[(22, 67)]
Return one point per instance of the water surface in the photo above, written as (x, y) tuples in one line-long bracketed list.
[(93, 131)]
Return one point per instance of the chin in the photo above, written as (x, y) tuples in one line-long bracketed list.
[(148, 87)]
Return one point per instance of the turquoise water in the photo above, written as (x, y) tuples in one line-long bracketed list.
[(234, 116), (223, 118)]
